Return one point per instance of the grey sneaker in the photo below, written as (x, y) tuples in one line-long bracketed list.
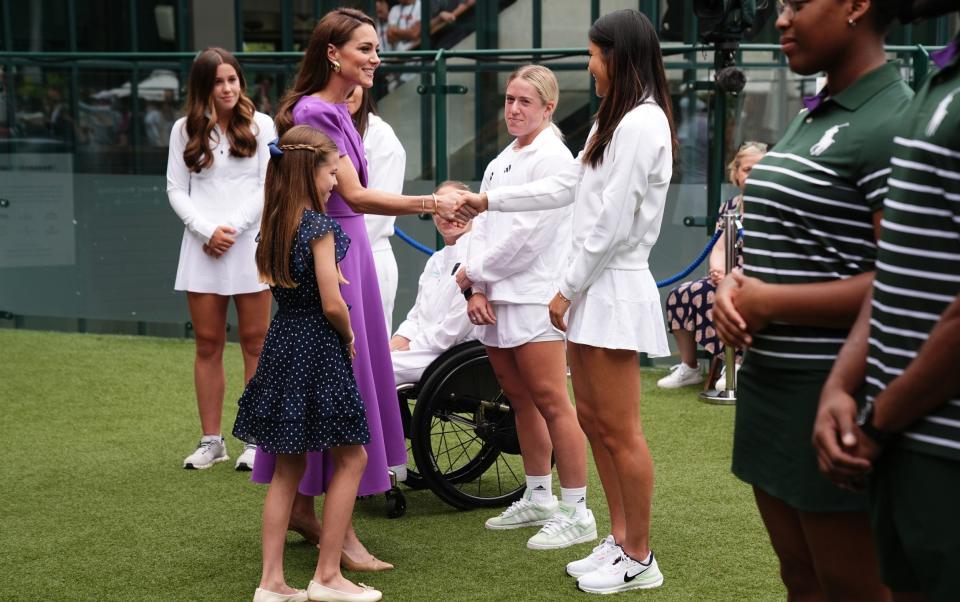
[(245, 461), (524, 513), (605, 553), (564, 529), (211, 450), (623, 574)]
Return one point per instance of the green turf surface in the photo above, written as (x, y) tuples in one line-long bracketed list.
[(95, 506)]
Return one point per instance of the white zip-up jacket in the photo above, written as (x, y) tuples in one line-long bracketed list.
[(516, 257), (619, 206)]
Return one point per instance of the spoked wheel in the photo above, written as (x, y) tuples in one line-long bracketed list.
[(407, 403), (463, 435)]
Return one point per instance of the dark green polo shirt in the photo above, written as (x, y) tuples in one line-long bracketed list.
[(809, 204), (918, 268)]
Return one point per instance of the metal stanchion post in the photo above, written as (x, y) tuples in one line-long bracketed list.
[(727, 395)]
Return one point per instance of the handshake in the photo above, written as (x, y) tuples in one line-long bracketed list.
[(460, 206)]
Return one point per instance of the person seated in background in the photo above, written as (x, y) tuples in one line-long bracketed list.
[(403, 33), (690, 305), (438, 319)]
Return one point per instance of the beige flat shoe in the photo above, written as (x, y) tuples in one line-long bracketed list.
[(320, 593), (374, 565), (265, 595)]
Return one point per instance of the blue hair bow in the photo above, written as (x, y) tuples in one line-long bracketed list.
[(275, 150)]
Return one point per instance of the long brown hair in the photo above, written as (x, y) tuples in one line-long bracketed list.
[(336, 27), (290, 182), (631, 54), (202, 112)]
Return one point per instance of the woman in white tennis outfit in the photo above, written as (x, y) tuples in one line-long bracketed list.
[(619, 188), (513, 259), (215, 174), (386, 162)]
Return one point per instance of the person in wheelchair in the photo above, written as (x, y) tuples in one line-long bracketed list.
[(438, 319)]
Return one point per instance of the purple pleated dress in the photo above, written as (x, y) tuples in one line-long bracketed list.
[(372, 367)]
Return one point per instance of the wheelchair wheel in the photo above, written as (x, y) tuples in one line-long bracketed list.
[(463, 434)]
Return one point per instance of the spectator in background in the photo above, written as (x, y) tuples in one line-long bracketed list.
[(690, 305), (403, 33), (447, 25)]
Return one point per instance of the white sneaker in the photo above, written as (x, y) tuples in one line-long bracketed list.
[(564, 529), (245, 461), (721, 382), (681, 375), (623, 574), (605, 553), (524, 513), (210, 451)]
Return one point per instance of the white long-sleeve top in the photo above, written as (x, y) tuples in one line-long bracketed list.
[(515, 257), (386, 163), (618, 207), (229, 192), (438, 319)]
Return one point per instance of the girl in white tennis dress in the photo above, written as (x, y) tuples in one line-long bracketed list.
[(215, 174)]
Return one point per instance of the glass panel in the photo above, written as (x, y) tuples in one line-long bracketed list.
[(94, 17), (39, 25), (262, 22)]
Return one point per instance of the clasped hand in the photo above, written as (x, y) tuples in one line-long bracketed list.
[(844, 453), (738, 309), (220, 242)]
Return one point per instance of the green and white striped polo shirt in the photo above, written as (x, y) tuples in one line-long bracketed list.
[(918, 265), (809, 204)]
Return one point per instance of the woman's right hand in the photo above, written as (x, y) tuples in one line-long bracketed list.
[(480, 311), (449, 207), (222, 239)]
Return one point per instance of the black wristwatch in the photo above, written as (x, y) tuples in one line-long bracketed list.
[(865, 422)]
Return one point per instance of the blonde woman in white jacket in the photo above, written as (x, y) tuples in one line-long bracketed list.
[(618, 186), (510, 268)]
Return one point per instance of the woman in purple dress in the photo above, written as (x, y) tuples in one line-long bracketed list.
[(342, 55)]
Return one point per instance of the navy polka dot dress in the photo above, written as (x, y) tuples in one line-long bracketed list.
[(303, 396)]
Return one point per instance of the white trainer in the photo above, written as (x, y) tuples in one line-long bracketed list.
[(245, 461), (524, 513), (564, 529), (210, 451), (623, 574), (681, 375), (605, 553)]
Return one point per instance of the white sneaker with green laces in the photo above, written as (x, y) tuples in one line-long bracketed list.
[(524, 513), (605, 553), (564, 529), (623, 574)]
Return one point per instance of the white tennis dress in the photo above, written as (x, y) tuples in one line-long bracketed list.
[(229, 193), (617, 212)]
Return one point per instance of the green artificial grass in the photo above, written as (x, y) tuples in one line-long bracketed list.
[(95, 506)]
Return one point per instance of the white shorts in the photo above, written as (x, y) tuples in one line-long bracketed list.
[(518, 324)]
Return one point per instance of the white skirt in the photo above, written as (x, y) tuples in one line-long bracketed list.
[(518, 324), (621, 310), (233, 273)]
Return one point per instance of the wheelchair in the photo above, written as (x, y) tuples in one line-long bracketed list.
[(461, 435)]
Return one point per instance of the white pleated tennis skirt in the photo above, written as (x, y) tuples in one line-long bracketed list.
[(620, 310)]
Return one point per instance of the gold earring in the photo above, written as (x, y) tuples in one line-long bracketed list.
[(335, 65)]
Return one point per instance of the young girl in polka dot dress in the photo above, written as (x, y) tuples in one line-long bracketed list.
[(303, 397)]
